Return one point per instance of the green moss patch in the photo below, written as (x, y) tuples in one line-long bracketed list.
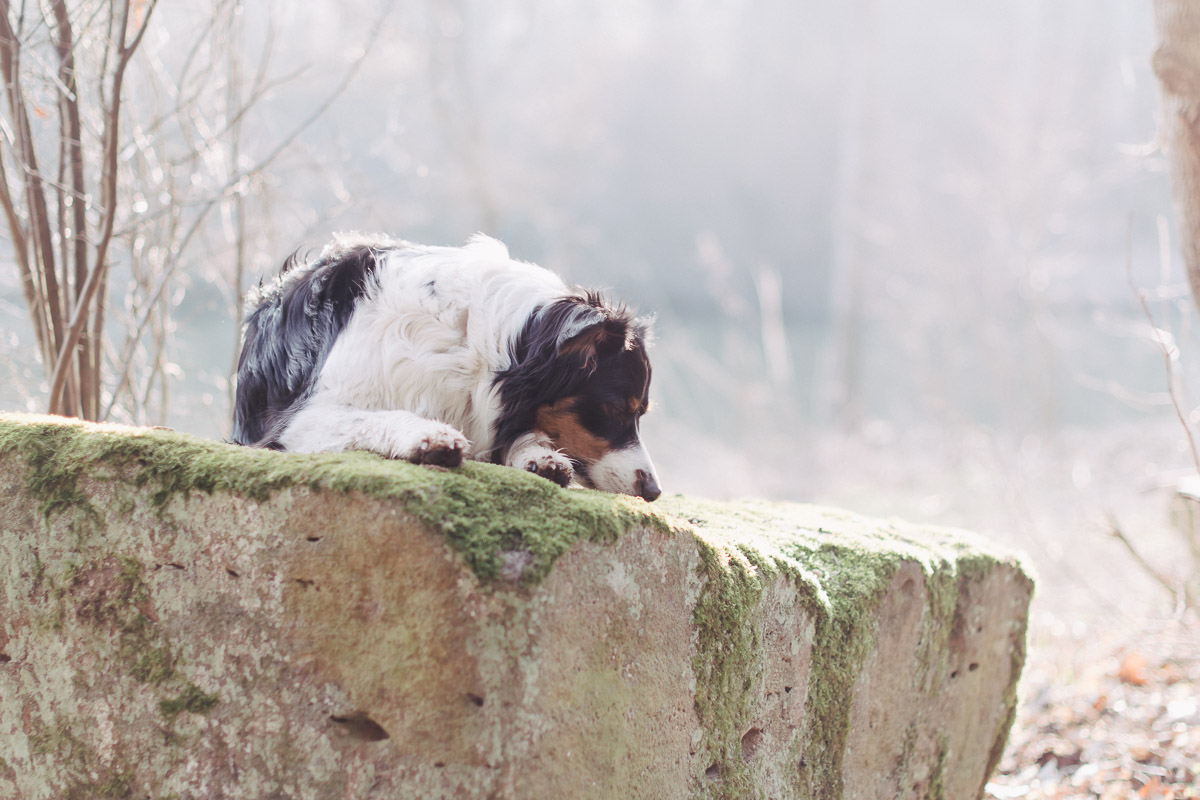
[(109, 598), (192, 699), (726, 666), (483, 510), (840, 577)]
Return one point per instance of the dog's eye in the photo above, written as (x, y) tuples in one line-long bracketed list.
[(620, 412)]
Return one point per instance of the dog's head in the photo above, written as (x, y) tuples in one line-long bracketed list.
[(582, 374)]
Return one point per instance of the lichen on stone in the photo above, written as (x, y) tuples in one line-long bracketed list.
[(483, 510), (841, 578), (192, 698), (127, 540), (725, 665)]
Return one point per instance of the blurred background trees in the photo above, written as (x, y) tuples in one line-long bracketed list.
[(900, 227)]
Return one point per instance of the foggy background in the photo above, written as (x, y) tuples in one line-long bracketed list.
[(890, 248)]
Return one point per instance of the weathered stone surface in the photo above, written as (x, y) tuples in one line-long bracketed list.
[(181, 618)]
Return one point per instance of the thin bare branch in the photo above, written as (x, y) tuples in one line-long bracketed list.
[(75, 239), (29, 284), (39, 218), (1162, 580), (1168, 360), (110, 165), (174, 261)]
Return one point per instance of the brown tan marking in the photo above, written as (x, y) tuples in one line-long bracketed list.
[(560, 422)]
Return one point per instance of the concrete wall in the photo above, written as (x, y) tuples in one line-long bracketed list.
[(182, 618)]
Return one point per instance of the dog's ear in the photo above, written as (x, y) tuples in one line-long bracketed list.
[(603, 336)]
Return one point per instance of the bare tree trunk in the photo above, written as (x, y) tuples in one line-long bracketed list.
[(852, 189), (73, 233), (1177, 64), (457, 108)]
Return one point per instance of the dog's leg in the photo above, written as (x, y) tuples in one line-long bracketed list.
[(321, 428), (535, 452)]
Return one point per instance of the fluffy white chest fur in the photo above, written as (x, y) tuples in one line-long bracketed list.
[(432, 353)]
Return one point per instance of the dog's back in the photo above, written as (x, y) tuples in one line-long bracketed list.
[(291, 326)]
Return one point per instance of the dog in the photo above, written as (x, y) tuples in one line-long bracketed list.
[(433, 354)]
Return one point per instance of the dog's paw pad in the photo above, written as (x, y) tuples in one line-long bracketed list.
[(553, 468), (441, 456), (441, 449)]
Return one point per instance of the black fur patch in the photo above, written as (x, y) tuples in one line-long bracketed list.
[(288, 337), (546, 367), (603, 399)]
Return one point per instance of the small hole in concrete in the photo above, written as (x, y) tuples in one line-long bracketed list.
[(714, 773), (439, 764), (5, 658), (909, 586), (359, 726), (973, 667), (231, 573), (751, 743), (476, 699), (954, 674), (304, 582), (172, 565), (314, 538), (787, 689)]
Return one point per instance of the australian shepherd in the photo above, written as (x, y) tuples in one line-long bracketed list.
[(433, 354)]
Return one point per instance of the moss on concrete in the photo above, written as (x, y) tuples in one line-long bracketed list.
[(725, 666), (483, 510), (109, 595), (840, 577), (487, 514), (937, 778), (192, 699), (86, 777)]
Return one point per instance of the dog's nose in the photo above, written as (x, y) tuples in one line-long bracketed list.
[(647, 486)]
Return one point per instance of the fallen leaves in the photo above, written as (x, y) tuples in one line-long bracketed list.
[(1133, 669), (1126, 728)]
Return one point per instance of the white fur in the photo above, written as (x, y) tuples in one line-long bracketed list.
[(395, 434), (618, 471), (431, 354)]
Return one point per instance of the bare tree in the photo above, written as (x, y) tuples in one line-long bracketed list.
[(1177, 64), (61, 233), (851, 221), (163, 144)]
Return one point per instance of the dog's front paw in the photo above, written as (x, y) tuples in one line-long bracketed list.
[(441, 447), (552, 466)]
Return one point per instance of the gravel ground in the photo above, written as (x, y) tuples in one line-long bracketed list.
[(1114, 719)]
